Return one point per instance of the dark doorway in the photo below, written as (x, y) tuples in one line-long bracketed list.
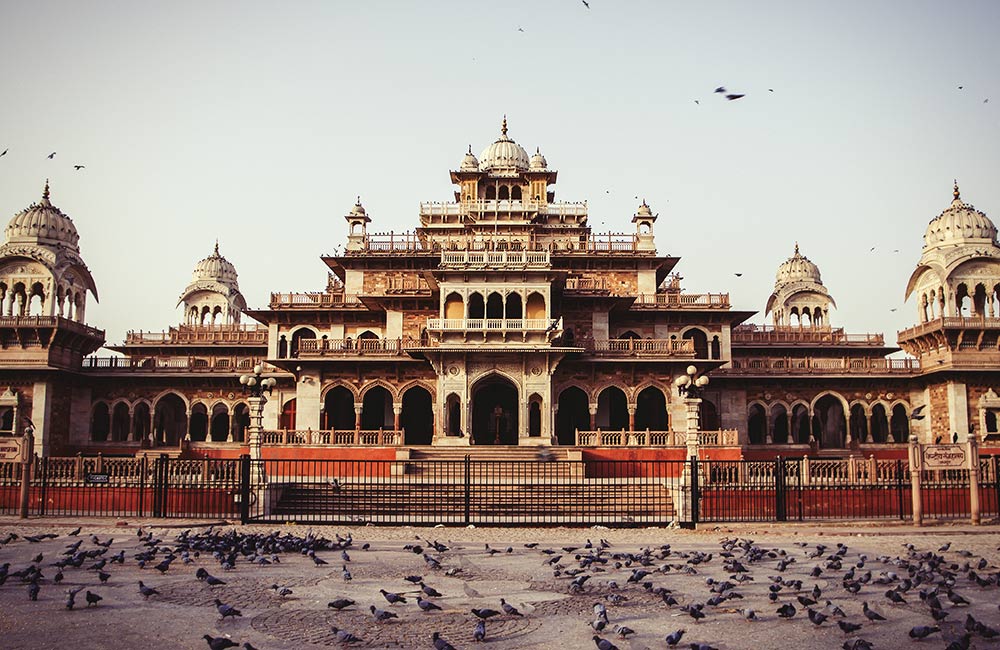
[(417, 418), (170, 419), (651, 410), (829, 423), (376, 409), (756, 424), (612, 409), (494, 412), (338, 409), (574, 413)]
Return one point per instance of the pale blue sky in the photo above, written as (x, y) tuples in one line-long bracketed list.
[(259, 122)]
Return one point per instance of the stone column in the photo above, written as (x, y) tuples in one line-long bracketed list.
[(631, 417), (914, 461), (692, 406), (397, 410), (254, 431), (593, 417), (973, 450), (131, 423), (357, 415)]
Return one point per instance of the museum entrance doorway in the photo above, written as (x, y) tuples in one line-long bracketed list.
[(494, 412)]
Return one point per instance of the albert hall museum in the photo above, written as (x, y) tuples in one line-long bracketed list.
[(500, 322)]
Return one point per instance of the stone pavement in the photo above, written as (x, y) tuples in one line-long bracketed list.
[(555, 615)]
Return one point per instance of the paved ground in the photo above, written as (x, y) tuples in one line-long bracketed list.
[(554, 615)]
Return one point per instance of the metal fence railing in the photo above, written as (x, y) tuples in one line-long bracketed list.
[(493, 492)]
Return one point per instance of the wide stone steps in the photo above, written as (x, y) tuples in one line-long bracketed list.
[(561, 501)]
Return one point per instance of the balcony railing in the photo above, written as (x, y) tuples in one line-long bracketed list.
[(682, 300), (410, 243), (196, 334), (494, 324), (819, 366), (50, 321), (347, 437), (356, 347), (208, 364), (435, 209), (396, 285), (640, 347), (313, 300), (647, 438), (587, 284), (807, 335), (495, 259), (953, 322)]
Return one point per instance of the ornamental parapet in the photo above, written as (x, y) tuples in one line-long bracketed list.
[(197, 364), (647, 438), (356, 347), (769, 334), (332, 437), (502, 259), (949, 322), (819, 366), (194, 334), (314, 300), (633, 347), (673, 300)]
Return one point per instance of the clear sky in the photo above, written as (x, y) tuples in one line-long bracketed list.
[(258, 123)]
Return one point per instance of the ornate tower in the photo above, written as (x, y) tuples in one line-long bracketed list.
[(799, 298), (213, 297), (43, 292)]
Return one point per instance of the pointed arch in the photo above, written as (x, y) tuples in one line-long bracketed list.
[(376, 383), (341, 383)]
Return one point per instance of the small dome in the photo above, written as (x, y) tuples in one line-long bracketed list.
[(797, 268), (43, 222), (504, 155), (358, 210), (644, 210), (215, 268), (538, 162), (959, 223), (469, 163)]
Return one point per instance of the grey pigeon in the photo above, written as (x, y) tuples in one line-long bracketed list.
[(343, 636), (675, 637), (340, 603), (225, 611), (923, 631), (380, 614), (440, 643), (871, 614), (220, 642), (426, 605), (146, 591), (604, 644), (92, 599), (847, 627), (485, 613), (479, 634), (391, 597), (509, 609)]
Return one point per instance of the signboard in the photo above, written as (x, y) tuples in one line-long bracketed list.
[(10, 449), (92, 477), (945, 457)]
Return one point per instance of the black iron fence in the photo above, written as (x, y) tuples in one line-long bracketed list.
[(494, 492)]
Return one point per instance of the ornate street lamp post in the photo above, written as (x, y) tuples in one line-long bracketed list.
[(256, 386), (690, 387)]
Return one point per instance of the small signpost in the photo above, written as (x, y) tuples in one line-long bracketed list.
[(944, 457), (93, 477), (11, 449)]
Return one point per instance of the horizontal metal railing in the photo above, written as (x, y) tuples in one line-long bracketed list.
[(356, 347), (220, 364), (820, 365)]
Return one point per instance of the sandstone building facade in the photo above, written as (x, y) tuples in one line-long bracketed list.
[(502, 319)]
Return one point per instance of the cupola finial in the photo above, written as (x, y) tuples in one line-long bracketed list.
[(503, 126), (45, 192), (796, 248), (216, 245), (955, 192)]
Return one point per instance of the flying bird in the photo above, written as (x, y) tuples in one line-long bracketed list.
[(720, 89), (585, 4), (78, 167), (52, 155), (4, 152), (732, 97)]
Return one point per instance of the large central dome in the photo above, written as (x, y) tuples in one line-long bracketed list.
[(798, 268), (215, 268), (504, 155)]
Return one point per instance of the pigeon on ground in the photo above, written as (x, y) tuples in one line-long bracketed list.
[(220, 642), (391, 597), (604, 644), (847, 627), (871, 614), (786, 611), (923, 631), (485, 613), (146, 591), (509, 609), (226, 611), (430, 591), (340, 603), (479, 634), (440, 643), (343, 636), (380, 614), (426, 605), (92, 598), (34, 587), (675, 637), (818, 618)]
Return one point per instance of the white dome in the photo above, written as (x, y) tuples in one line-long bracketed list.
[(44, 223), (469, 162), (538, 162), (215, 268), (960, 223), (504, 155), (797, 268)]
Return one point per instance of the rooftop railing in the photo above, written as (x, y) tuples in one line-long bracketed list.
[(206, 364), (193, 334), (819, 366), (955, 322), (632, 347), (682, 300), (409, 243), (647, 438), (782, 334), (450, 209), (313, 300), (50, 321), (493, 324), (356, 347), (494, 259)]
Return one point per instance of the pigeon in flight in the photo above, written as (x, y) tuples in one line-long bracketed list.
[(52, 155), (720, 89), (78, 167), (731, 97), (4, 152), (585, 4)]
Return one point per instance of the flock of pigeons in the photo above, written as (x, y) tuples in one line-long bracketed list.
[(742, 577)]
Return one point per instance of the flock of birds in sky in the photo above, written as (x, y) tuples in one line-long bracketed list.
[(741, 577)]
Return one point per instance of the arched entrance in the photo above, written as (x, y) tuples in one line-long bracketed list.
[(574, 413), (219, 428), (612, 409), (756, 424), (376, 409), (198, 428), (494, 412), (651, 410), (829, 423), (417, 418), (170, 420), (338, 409), (119, 422)]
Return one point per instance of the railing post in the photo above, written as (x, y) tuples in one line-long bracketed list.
[(996, 480), (78, 467), (780, 495), (804, 471), (918, 513), (245, 489), (468, 486), (695, 492), (142, 486), (27, 455), (973, 449)]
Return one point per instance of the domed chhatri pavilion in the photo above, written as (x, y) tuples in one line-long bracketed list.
[(502, 320)]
